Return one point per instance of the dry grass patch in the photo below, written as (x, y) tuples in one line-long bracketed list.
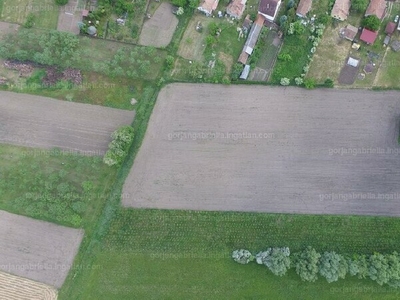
[(193, 42), (329, 58), (227, 60), (18, 288)]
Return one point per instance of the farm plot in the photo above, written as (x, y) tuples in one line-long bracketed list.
[(158, 31), (69, 16), (18, 288), (41, 122), (269, 150), (37, 250)]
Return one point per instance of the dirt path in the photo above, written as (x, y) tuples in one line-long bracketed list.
[(41, 122), (270, 149), (37, 250)]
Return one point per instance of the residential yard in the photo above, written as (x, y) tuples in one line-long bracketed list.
[(156, 254), (45, 12), (389, 75)]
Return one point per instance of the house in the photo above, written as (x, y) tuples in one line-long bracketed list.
[(376, 8), (341, 9), (390, 28), (368, 36), (303, 8), (208, 6), (236, 8), (245, 72), (269, 9), (349, 32), (251, 40)]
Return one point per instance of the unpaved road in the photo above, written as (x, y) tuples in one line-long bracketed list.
[(288, 150), (37, 250), (41, 122)]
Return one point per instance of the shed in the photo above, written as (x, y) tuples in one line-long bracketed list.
[(396, 46), (349, 32), (369, 68), (390, 28), (386, 40), (368, 36), (353, 62), (245, 72)]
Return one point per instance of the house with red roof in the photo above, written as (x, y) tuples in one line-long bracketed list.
[(368, 36), (390, 28), (376, 8)]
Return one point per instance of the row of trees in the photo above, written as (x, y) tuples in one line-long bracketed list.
[(119, 147), (309, 264)]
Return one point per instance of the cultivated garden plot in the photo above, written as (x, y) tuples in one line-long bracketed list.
[(37, 250), (267, 149), (41, 122), (18, 288), (158, 31)]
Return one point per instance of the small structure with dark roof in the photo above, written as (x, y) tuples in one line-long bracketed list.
[(386, 41), (269, 9), (369, 68), (349, 32), (368, 36), (246, 24), (390, 28), (395, 46), (303, 8)]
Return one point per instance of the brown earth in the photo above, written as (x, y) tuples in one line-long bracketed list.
[(269, 149), (18, 288), (158, 30), (41, 122), (37, 250)]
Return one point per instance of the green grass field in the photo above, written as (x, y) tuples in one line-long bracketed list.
[(44, 11), (186, 255), (54, 186)]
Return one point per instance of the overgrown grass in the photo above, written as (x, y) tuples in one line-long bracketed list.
[(298, 46), (155, 254), (45, 12), (52, 185)]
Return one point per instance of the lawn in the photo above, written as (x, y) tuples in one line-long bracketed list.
[(55, 186), (45, 12), (389, 75), (185, 255)]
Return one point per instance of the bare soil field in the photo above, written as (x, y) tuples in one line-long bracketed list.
[(37, 250), (269, 149), (158, 31), (348, 74), (18, 288), (41, 122)]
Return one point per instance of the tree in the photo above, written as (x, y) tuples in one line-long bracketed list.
[(276, 259), (333, 266), (180, 3), (236, 71), (359, 266), (242, 256), (378, 268), (371, 22), (359, 5), (393, 269), (306, 264), (119, 146), (194, 3)]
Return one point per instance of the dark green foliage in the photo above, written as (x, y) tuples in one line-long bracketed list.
[(123, 6), (359, 266), (30, 21), (180, 3), (169, 62), (213, 28), (359, 5), (333, 266), (309, 83), (285, 57), (378, 268), (61, 2), (328, 83), (371, 22), (236, 71)]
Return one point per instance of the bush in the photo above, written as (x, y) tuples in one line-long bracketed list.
[(328, 83), (242, 256), (309, 83), (119, 147), (285, 81), (333, 266), (236, 71), (30, 21), (371, 22), (306, 264), (61, 2), (276, 259)]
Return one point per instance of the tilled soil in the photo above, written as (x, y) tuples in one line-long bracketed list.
[(269, 149)]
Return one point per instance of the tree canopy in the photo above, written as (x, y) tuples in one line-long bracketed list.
[(371, 22)]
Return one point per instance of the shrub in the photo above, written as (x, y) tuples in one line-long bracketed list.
[(276, 259), (242, 256), (333, 266), (30, 21), (61, 2), (371, 22), (285, 81), (309, 83), (306, 264), (298, 80), (329, 83), (285, 57), (119, 147)]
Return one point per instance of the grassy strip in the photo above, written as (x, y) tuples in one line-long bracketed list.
[(156, 254), (88, 251)]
